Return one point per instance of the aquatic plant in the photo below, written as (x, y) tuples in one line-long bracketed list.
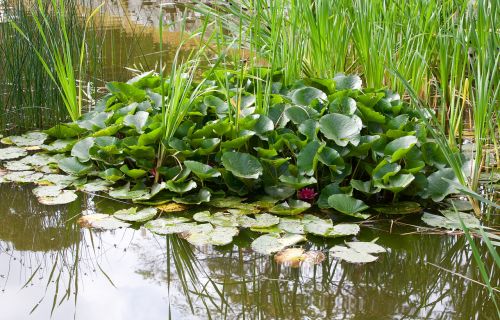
[(60, 64)]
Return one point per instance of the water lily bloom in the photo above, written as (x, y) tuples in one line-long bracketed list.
[(306, 194)]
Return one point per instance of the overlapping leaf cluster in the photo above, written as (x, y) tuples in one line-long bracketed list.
[(346, 142)]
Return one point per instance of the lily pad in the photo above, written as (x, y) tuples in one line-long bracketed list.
[(264, 220), (202, 196), (341, 128), (58, 180), (343, 82), (205, 234), (451, 220), (64, 197), (201, 170), (221, 219), (60, 145), (101, 221), (357, 252), (81, 149), (17, 166), (96, 185), (269, 243), (325, 228), (398, 148), (137, 121), (73, 166), (242, 165), (11, 153), (304, 96), (27, 140), (290, 207), (132, 215), (47, 191), (348, 205), (170, 225), (291, 225), (23, 176)]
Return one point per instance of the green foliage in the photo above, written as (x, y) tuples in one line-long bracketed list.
[(344, 155)]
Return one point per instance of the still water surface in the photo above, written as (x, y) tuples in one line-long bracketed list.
[(49, 265)]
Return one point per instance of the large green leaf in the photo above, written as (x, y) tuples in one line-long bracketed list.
[(290, 207), (348, 205), (137, 121), (343, 82), (341, 129), (398, 148), (201, 170), (298, 182), (73, 166), (307, 159), (132, 215), (242, 165), (268, 244), (81, 149)]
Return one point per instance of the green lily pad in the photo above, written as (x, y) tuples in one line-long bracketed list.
[(269, 243), (63, 197), (351, 255), (101, 221), (304, 96), (201, 170), (364, 186), (348, 205), (73, 166), (451, 220), (307, 158), (11, 153), (205, 234), (325, 228), (132, 215), (343, 82), (170, 225), (221, 219), (111, 174), (202, 196), (81, 149), (137, 121), (58, 179), (59, 146), (460, 205), (298, 182), (341, 128), (47, 191), (290, 207), (264, 220), (96, 185), (133, 173), (242, 165), (398, 148), (23, 176), (17, 166), (291, 225), (181, 187), (403, 207), (29, 139), (366, 247), (125, 192)]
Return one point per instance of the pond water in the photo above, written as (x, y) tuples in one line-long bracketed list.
[(49, 265), (52, 268)]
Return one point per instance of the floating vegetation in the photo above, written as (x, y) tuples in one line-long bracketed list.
[(321, 143), (357, 252), (294, 257)]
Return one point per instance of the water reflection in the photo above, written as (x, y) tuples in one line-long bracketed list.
[(50, 265)]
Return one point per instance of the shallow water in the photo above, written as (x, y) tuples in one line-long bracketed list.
[(49, 265)]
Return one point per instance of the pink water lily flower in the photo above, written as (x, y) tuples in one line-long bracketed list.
[(306, 194)]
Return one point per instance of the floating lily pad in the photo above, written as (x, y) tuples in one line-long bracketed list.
[(202, 196), (451, 220), (47, 191), (205, 234), (269, 243), (403, 207), (290, 207), (264, 220), (221, 219), (357, 252), (60, 145), (201, 170), (460, 205), (58, 179), (170, 225), (23, 176), (132, 215), (81, 149), (17, 166), (26, 140), (294, 257), (64, 197), (101, 221), (12, 153), (125, 192), (96, 185), (291, 225), (325, 228)]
